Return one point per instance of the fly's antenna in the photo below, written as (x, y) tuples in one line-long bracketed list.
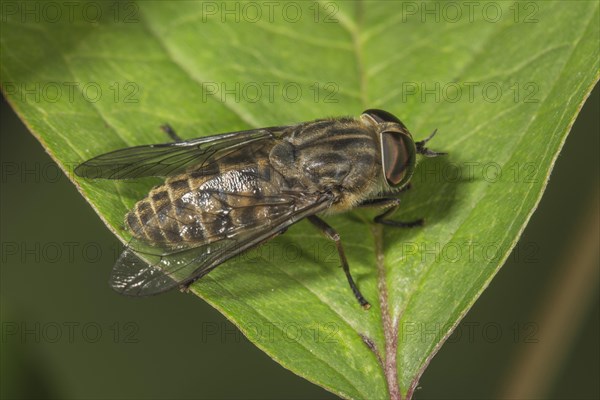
[(421, 149)]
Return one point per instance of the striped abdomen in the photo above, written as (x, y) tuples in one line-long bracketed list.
[(202, 207)]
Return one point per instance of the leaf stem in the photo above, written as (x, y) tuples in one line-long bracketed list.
[(390, 328)]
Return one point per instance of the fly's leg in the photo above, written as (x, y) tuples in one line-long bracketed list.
[(381, 219), (333, 235), (168, 129), (392, 205), (385, 202)]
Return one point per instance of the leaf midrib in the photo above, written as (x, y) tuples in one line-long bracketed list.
[(530, 190)]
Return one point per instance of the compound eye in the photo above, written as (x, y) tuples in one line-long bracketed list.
[(398, 154)]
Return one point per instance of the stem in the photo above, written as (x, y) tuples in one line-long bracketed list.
[(390, 328)]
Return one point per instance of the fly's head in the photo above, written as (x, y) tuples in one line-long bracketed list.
[(398, 149)]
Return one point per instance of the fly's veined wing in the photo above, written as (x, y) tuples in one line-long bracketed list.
[(170, 158), (145, 270)]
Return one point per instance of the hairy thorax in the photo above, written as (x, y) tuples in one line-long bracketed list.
[(342, 161)]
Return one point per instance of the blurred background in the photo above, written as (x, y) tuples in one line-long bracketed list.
[(66, 334)]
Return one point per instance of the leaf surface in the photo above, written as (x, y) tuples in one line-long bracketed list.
[(502, 84)]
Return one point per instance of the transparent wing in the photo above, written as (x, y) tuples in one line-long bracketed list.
[(170, 158), (144, 270)]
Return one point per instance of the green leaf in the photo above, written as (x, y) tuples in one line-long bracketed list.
[(503, 82)]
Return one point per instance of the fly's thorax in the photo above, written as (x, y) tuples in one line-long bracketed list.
[(341, 156)]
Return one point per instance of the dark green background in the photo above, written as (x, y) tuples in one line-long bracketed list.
[(169, 358)]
